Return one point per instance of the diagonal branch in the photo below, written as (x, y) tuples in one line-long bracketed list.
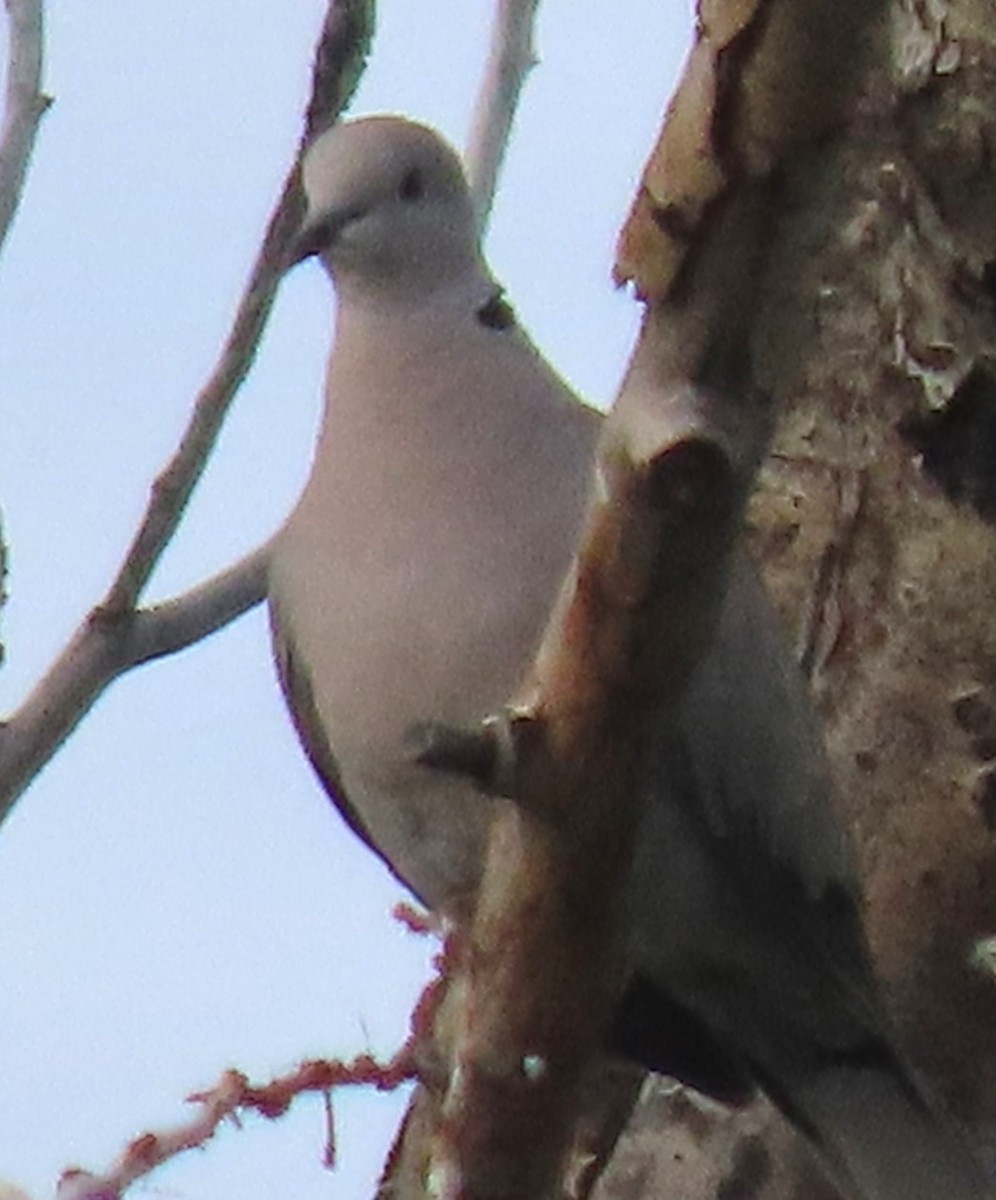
[(24, 104), (173, 487), (510, 59), (103, 648), (339, 60), (115, 635)]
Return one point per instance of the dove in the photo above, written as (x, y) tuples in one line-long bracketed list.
[(411, 584)]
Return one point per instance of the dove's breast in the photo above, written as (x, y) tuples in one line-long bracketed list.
[(417, 572)]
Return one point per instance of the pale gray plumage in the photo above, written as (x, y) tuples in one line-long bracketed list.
[(411, 584), (417, 568)]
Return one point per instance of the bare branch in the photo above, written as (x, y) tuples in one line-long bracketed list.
[(115, 635), (175, 624), (55, 707), (24, 104), (543, 966), (510, 59), (103, 648), (341, 51), (339, 62), (173, 487)]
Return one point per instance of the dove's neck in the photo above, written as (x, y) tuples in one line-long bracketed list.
[(405, 367), (436, 278)]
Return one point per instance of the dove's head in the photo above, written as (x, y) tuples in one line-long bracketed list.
[(389, 211)]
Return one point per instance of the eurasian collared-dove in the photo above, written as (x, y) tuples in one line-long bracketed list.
[(411, 584)]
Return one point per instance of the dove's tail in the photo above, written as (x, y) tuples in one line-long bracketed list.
[(884, 1140)]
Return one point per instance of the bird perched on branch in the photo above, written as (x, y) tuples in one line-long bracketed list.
[(412, 583)]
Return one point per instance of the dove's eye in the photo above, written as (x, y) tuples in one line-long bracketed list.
[(412, 186)]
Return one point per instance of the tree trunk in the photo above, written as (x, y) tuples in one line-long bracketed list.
[(874, 523)]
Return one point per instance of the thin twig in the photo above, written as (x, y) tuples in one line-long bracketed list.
[(232, 1096), (172, 625), (510, 59), (24, 104)]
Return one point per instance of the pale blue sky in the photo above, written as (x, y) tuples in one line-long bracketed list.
[(176, 895)]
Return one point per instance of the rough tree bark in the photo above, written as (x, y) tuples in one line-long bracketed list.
[(874, 524)]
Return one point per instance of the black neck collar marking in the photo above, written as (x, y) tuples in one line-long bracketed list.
[(496, 312)]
